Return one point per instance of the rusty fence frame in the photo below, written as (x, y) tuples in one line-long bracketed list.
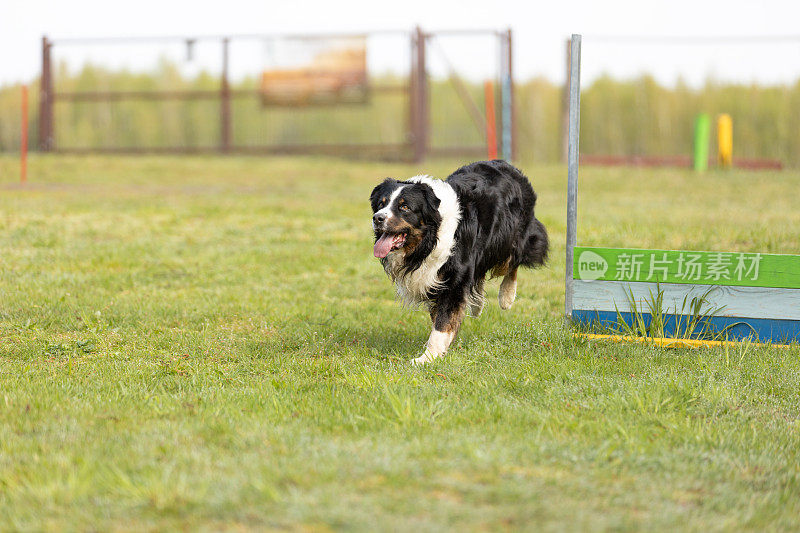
[(416, 147)]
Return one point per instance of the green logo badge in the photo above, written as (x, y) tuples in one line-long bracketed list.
[(591, 266)]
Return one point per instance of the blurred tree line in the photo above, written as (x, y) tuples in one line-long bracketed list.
[(630, 117)]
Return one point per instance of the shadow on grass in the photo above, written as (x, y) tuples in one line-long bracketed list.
[(379, 341), (400, 338)]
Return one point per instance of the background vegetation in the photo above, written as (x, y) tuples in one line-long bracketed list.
[(633, 117)]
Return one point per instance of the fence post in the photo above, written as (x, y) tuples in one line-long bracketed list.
[(23, 145), (46, 142), (420, 122), (225, 102), (411, 91), (573, 160)]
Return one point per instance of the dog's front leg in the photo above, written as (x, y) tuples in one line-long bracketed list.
[(446, 318)]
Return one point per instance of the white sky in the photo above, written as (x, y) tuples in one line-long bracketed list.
[(540, 29)]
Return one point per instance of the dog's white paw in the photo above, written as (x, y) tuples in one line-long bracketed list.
[(508, 293), (426, 357)]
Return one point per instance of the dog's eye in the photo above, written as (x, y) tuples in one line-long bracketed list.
[(404, 208)]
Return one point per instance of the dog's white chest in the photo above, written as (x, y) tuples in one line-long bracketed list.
[(413, 288)]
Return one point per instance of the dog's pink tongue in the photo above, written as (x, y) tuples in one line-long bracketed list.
[(383, 246)]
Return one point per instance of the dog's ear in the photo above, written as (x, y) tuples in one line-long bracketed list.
[(431, 199), (431, 218), (431, 206), (381, 190)]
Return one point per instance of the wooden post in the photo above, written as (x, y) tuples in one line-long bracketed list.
[(573, 161), (412, 98), (421, 100), (565, 109), (46, 142), (23, 147), (225, 102), (491, 121)]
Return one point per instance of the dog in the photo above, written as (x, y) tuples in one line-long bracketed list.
[(438, 240)]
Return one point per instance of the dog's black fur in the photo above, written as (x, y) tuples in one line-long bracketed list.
[(497, 223), (497, 233)]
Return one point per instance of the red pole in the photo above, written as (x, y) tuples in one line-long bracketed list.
[(23, 176), (491, 133)]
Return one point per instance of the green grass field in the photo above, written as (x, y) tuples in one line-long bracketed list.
[(208, 343)]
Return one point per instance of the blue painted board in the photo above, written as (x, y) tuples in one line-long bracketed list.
[(757, 329)]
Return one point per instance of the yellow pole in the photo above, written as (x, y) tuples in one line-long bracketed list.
[(725, 140)]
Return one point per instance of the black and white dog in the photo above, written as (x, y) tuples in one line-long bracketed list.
[(438, 241)]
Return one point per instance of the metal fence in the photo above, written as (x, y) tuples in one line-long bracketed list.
[(224, 112)]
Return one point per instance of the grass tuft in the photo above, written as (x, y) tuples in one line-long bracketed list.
[(691, 319)]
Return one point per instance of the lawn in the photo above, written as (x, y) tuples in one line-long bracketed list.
[(207, 343)]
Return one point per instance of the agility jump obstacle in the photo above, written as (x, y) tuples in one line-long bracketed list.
[(743, 295)]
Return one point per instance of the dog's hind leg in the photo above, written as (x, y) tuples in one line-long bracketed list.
[(508, 289), (447, 318), (476, 300)]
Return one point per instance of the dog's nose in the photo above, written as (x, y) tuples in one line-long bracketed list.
[(378, 218)]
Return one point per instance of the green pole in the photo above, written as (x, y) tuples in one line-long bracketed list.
[(702, 134)]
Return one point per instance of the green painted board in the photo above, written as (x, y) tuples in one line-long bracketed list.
[(690, 267)]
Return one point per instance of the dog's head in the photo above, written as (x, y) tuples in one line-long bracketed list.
[(405, 220)]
